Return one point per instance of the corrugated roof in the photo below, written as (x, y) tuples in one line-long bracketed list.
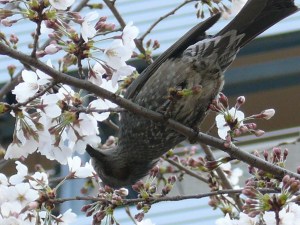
[(143, 13)]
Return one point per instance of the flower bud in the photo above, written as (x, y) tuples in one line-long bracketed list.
[(156, 45), (154, 171), (240, 101), (259, 133), (266, 155), (139, 217), (52, 49), (13, 39), (285, 153), (268, 113), (123, 192), (148, 43), (223, 100), (11, 69)]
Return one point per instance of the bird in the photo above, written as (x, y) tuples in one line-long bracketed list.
[(195, 64)]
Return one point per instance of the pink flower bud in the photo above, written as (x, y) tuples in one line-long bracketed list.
[(259, 133), (268, 113), (52, 49), (13, 39), (7, 22), (223, 99), (240, 101), (156, 45), (122, 192), (33, 205)]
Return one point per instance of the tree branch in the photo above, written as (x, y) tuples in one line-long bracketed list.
[(10, 85), (225, 182), (162, 18), (232, 150), (160, 199), (117, 15), (186, 170)]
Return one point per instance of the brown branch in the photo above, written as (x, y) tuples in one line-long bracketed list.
[(141, 39), (225, 182), (10, 85), (161, 199), (186, 170), (232, 150), (127, 210), (36, 36), (39, 94), (119, 18)]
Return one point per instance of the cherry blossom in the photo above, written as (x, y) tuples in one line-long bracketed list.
[(225, 120), (107, 85), (61, 4), (78, 170), (58, 151), (246, 220), (31, 83), (23, 194), (39, 180), (95, 74), (86, 125), (87, 29), (66, 93), (225, 221), (121, 72), (3, 193), (117, 54), (100, 104), (130, 32), (232, 175), (25, 138), (79, 144), (83, 131), (3, 180), (67, 218), (43, 77), (28, 88), (10, 208), (19, 177), (50, 105)]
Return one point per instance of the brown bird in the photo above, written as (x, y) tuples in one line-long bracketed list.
[(195, 64)]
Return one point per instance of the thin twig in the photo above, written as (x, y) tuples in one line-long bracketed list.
[(36, 36), (162, 18), (186, 170), (225, 182), (119, 18), (10, 85), (127, 210), (18, 105), (153, 200)]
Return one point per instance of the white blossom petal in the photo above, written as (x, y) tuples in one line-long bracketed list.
[(61, 4)]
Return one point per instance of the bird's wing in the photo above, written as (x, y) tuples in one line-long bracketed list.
[(191, 37)]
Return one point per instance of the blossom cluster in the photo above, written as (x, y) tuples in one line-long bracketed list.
[(231, 122), (53, 119), (26, 198)]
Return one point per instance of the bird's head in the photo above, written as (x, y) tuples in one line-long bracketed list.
[(117, 170)]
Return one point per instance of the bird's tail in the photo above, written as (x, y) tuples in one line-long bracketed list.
[(257, 16)]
